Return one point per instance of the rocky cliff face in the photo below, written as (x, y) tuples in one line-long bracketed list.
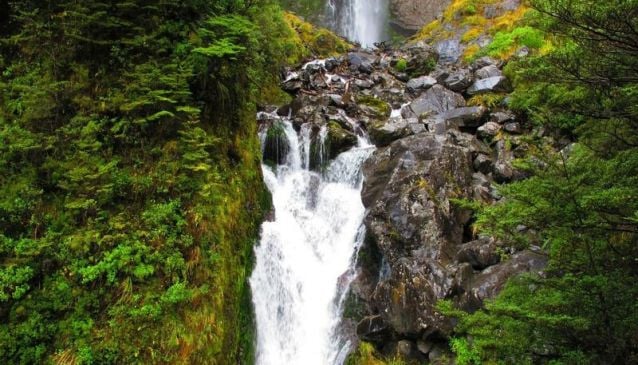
[(436, 146), (411, 15)]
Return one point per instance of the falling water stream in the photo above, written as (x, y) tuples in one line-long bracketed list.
[(304, 261), (363, 21)]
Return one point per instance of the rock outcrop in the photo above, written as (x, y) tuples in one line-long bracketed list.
[(411, 15), (433, 149)]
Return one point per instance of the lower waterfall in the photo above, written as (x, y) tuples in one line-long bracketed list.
[(304, 261)]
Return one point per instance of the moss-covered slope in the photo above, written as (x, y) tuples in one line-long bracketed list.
[(130, 187)]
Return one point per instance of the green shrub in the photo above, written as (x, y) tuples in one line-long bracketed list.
[(401, 65)]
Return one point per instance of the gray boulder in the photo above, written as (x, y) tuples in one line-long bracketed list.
[(489, 85), (488, 71), (464, 117), (421, 83), (502, 117), (480, 254), (513, 128), (459, 80), (434, 101)]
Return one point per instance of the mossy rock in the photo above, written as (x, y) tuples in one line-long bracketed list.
[(374, 107), (276, 146), (339, 139), (311, 41)]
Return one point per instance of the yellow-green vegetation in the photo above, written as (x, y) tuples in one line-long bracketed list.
[(490, 100), (506, 30), (579, 203), (130, 186), (378, 107), (312, 41), (402, 65), (365, 354)]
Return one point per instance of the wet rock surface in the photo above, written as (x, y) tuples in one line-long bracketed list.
[(432, 150), (411, 15)]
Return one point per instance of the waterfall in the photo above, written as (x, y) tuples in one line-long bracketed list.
[(363, 21), (304, 261)]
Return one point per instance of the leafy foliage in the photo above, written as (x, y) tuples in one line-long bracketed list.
[(130, 190), (579, 205)]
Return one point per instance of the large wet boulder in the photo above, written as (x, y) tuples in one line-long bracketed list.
[(275, 145), (434, 101), (421, 83), (374, 329), (383, 133), (339, 139), (414, 225), (420, 58), (480, 254), (374, 108), (421, 239)]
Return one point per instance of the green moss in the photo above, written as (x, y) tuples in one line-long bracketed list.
[(401, 65), (131, 190), (380, 108), (366, 354), (310, 41)]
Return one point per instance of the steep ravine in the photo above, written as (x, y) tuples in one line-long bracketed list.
[(432, 149), (443, 133)]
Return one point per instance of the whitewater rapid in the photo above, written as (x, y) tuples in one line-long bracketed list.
[(304, 260)]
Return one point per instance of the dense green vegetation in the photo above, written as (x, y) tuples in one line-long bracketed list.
[(130, 188), (581, 203)]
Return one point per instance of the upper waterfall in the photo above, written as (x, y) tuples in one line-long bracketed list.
[(363, 21)]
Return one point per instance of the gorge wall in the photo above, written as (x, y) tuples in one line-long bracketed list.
[(411, 15), (444, 134)]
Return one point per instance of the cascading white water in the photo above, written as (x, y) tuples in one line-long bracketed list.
[(304, 261), (362, 21)]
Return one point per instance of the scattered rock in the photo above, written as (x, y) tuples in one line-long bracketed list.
[(440, 74), (483, 163), (459, 80), (486, 61), (502, 117), (424, 346), (364, 84), (489, 85), (292, 84), (513, 128), (421, 58), (383, 133), (434, 101), (464, 116), (480, 254), (421, 83), (487, 72), (488, 130), (449, 50)]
